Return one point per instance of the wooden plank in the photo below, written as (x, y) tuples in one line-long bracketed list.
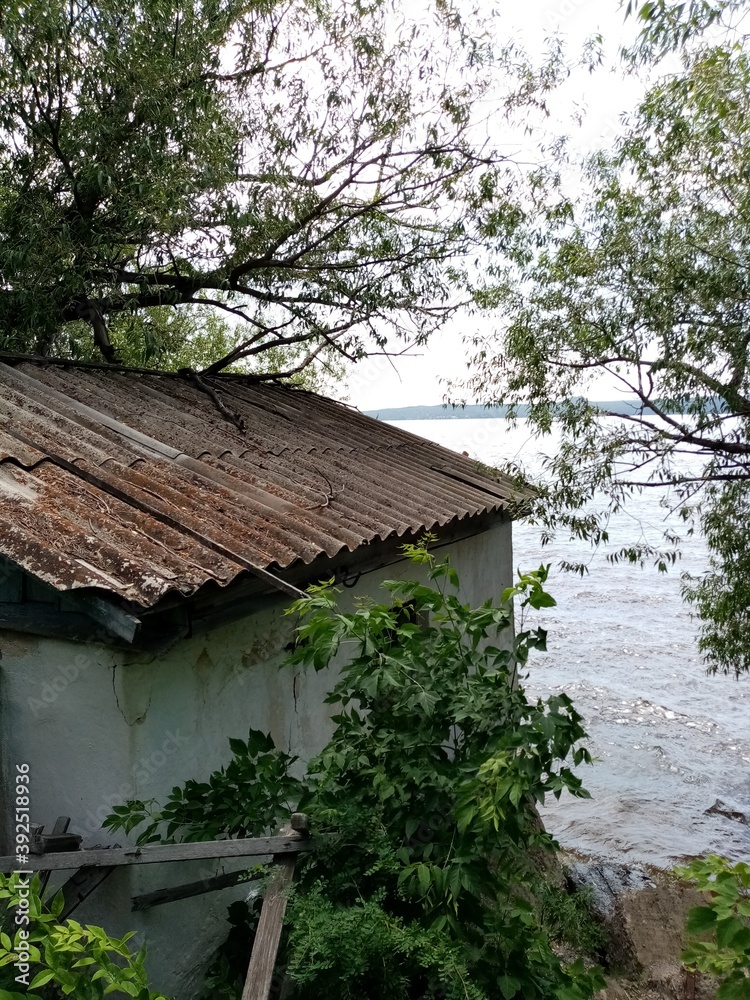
[(36, 590), (151, 854), (58, 840), (162, 630), (160, 896), (79, 886), (43, 619), (259, 977), (115, 620), (268, 935), (39, 842)]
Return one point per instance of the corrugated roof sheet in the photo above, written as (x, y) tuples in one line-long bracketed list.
[(135, 483)]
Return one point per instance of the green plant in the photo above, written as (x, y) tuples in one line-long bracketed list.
[(83, 962), (226, 972), (422, 885), (427, 788), (257, 777), (725, 918), (567, 915)]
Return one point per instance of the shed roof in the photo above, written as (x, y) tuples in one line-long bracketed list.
[(135, 483)]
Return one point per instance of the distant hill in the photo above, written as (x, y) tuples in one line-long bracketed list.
[(476, 412)]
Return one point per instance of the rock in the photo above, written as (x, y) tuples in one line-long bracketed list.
[(607, 882), (722, 809), (643, 912)]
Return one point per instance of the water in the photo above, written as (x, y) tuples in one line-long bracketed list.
[(669, 739)]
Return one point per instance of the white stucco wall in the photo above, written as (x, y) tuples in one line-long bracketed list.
[(98, 726)]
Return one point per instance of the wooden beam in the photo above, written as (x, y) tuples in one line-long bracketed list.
[(160, 631), (79, 886), (107, 613), (43, 619), (58, 840), (160, 896), (268, 935), (11, 581), (151, 854)]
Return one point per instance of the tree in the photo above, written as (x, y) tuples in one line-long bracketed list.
[(308, 169), (647, 281)]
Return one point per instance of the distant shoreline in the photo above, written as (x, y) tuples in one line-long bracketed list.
[(475, 411)]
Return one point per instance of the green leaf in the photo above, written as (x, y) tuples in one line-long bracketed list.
[(424, 879), (734, 988), (729, 930), (700, 919), (41, 978), (539, 599), (509, 986)]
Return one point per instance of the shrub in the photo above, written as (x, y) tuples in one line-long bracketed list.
[(720, 931), (423, 800), (65, 957)]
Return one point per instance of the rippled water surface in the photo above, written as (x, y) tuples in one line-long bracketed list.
[(669, 739)]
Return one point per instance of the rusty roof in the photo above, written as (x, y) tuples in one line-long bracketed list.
[(136, 483)]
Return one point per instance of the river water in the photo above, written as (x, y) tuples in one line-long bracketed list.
[(670, 740)]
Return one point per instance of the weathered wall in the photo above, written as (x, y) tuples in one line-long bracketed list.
[(99, 726)]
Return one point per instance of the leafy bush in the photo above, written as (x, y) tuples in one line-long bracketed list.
[(66, 958), (423, 800), (568, 917), (241, 800), (225, 975), (725, 920)]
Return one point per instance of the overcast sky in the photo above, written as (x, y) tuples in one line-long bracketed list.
[(599, 99)]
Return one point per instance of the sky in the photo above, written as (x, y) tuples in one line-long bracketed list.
[(588, 108)]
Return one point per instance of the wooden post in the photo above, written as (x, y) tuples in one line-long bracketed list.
[(267, 937), (40, 843)]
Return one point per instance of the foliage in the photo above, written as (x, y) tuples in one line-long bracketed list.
[(427, 784), (66, 958), (257, 776), (643, 282), (721, 596), (568, 917), (422, 885), (225, 976), (306, 168), (671, 24), (726, 922), (168, 338)]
